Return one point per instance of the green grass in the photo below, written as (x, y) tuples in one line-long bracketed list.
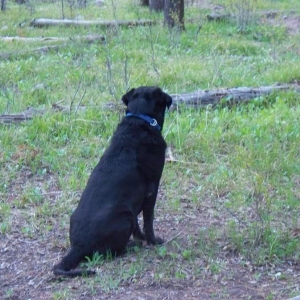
[(241, 165)]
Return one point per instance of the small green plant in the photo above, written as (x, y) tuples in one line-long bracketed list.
[(96, 260)]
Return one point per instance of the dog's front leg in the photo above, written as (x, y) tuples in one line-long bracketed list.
[(148, 214)]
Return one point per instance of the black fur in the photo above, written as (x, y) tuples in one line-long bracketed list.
[(122, 185)]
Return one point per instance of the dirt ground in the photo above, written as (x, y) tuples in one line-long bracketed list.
[(26, 263), (26, 272)]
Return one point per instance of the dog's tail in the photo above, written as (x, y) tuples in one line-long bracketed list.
[(69, 262), (72, 273)]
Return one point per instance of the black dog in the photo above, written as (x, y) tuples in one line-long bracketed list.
[(123, 184)]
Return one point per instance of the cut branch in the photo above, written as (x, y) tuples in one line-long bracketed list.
[(55, 22)]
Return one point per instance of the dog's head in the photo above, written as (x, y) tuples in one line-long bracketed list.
[(148, 100)]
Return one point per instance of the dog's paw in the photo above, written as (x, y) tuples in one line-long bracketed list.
[(159, 241), (155, 241)]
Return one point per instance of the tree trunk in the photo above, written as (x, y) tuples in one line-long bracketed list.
[(3, 5), (156, 5), (145, 2), (174, 13)]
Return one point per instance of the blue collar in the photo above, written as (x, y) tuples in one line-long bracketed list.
[(146, 118)]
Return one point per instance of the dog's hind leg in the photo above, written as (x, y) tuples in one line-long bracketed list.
[(138, 237), (69, 262)]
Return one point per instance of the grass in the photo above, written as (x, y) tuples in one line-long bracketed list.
[(239, 165)]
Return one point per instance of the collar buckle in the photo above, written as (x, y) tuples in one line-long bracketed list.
[(153, 122)]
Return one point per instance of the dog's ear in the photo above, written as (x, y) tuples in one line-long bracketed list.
[(168, 100), (165, 98), (127, 97)]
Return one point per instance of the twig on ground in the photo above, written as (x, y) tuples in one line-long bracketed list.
[(173, 238)]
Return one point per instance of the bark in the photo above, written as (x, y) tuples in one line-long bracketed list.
[(200, 99), (145, 2), (156, 5), (204, 98), (174, 13), (53, 22)]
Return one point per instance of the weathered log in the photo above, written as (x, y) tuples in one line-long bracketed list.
[(45, 49), (230, 96), (199, 99), (55, 22), (88, 39)]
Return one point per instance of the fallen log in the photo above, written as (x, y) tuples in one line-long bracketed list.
[(41, 22), (199, 99), (87, 39), (230, 96), (45, 49)]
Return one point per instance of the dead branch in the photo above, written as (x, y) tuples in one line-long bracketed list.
[(55, 22)]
